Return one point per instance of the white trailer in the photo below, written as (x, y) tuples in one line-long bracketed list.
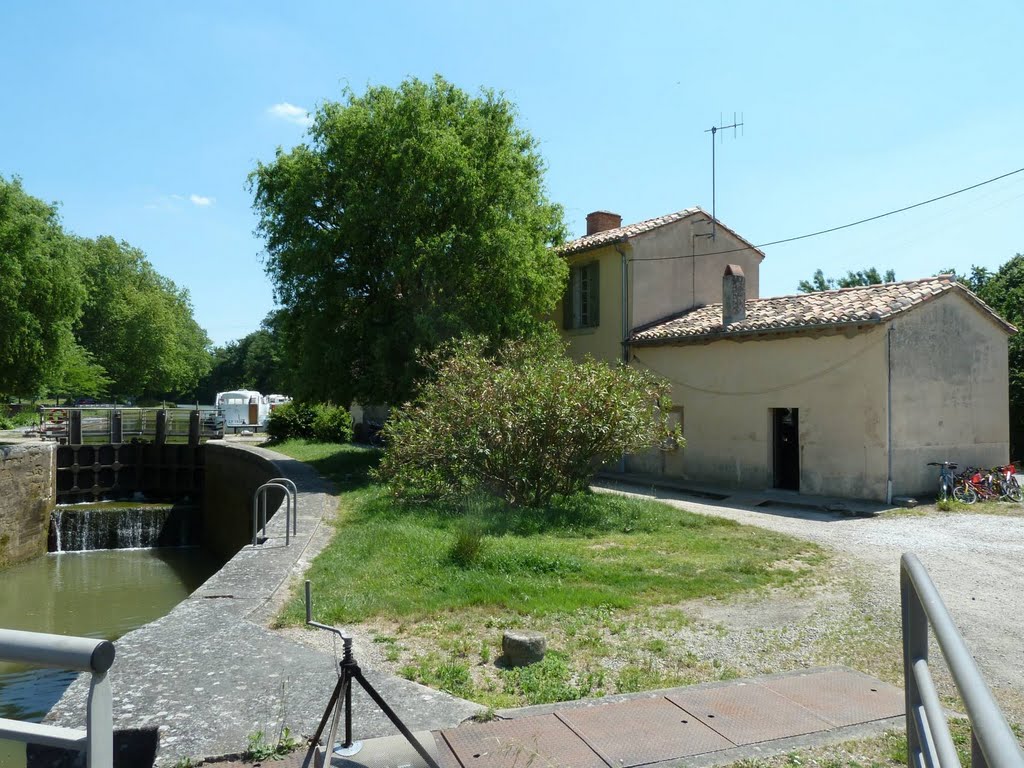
[(244, 409)]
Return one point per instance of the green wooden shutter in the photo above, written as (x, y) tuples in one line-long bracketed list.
[(567, 301), (594, 283)]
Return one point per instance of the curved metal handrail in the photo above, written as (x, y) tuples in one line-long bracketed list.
[(259, 504), (295, 499)]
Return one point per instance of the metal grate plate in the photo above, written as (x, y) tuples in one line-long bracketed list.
[(642, 731), (842, 697), (746, 713), (543, 740)]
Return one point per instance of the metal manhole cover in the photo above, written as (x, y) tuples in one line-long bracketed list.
[(748, 714), (543, 740), (642, 731), (842, 697)]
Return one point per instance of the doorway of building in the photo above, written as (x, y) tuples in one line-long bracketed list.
[(786, 448)]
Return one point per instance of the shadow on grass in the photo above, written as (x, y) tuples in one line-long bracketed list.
[(347, 466), (583, 514)]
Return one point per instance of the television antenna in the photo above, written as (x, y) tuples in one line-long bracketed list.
[(713, 130)]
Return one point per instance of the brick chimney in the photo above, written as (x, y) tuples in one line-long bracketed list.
[(601, 221), (734, 295)]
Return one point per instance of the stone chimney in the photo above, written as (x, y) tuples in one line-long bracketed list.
[(734, 295), (600, 221)]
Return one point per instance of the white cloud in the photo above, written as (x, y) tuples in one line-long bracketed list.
[(291, 113), (201, 200)]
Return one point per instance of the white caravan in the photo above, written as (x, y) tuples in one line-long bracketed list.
[(244, 408)]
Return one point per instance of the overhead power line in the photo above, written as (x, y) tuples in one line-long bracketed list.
[(846, 226)]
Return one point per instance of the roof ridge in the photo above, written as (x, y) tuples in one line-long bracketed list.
[(835, 308)]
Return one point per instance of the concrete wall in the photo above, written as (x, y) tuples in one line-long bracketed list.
[(232, 476), (727, 388), (671, 285), (26, 500), (950, 391)]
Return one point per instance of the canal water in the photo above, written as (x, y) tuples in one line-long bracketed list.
[(101, 594)]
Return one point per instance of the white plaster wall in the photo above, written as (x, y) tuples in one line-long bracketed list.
[(662, 288), (727, 389), (950, 391)]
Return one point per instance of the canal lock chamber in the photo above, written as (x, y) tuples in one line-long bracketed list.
[(129, 496)]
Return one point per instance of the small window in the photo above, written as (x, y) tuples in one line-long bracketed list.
[(580, 302)]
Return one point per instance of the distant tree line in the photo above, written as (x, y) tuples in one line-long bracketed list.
[(88, 317)]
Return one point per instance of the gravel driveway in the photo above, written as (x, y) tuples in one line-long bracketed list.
[(976, 561)]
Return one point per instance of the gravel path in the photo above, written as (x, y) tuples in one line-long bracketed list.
[(976, 561)]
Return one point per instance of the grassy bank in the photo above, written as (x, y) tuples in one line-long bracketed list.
[(436, 584)]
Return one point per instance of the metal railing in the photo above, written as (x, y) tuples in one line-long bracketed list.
[(82, 654), (293, 489), (259, 511), (929, 742), (82, 425)]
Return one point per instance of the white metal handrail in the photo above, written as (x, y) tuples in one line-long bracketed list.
[(259, 505), (929, 743), (295, 499), (82, 654)]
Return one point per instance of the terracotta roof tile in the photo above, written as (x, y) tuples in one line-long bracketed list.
[(622, 234), (863, 305)]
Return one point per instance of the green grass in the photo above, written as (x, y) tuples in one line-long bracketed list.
[(439, 582), (396, 560), (1003, 508)]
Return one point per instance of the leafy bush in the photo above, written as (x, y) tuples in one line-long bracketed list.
[(291, 420), (325, 423), (526, 424), (332, 424)]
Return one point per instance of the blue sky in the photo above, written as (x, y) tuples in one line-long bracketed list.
[(144, 119)]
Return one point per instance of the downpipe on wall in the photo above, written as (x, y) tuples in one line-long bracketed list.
[(888, 413)]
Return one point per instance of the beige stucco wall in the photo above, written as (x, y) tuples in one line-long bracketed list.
[(950, 391), (727, 389), (658, 286), (671, 285), (605, 341)]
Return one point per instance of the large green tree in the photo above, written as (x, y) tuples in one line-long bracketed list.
[(138, 325), (40, 291), (412, 215), (869, 276), (255, 362)]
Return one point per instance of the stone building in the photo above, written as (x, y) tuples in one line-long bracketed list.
[(847, 393)]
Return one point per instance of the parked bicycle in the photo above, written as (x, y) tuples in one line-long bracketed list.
[(999, 483), (952, 485), (1006, 481)]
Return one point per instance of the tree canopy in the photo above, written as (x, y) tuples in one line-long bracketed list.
[(255, 362), (869, 276), (138, 324), (87, 317), (413, 215), (40, 291)]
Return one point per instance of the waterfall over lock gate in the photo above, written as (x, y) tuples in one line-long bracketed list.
[(83, 527)]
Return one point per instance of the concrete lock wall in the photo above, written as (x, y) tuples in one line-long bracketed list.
[(727, 389), (232, 476), (26, 500), (950, 392)]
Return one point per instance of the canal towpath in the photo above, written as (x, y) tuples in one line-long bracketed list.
[(210, 674)]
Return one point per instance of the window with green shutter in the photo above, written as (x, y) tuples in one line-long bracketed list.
[(581, 303)]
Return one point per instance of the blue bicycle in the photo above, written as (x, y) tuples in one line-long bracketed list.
[(950, 486)]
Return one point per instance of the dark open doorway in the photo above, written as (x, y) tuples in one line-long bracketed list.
[(786, 448)]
